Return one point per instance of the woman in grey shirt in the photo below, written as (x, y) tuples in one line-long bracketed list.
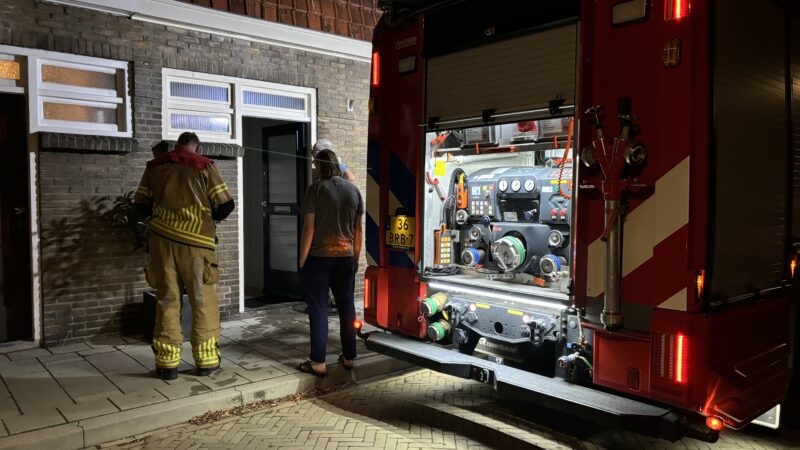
[(330, 246)]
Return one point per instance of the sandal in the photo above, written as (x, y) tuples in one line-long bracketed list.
[(306, 367), (346, 366)]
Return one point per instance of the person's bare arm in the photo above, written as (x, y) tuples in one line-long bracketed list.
[(347, 174), (306, 237)]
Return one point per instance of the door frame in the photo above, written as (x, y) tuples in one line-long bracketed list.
[(311, 119)]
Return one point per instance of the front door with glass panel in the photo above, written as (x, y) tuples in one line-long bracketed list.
[(284, 186)]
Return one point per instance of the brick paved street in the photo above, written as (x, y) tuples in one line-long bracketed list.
[(417, 409)]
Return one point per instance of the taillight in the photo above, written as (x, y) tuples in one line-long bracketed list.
[(376, 69), (672, 357), (680, 359), (367, 292), (676, 9)]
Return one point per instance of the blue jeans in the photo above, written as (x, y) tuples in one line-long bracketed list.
[(337, 274)]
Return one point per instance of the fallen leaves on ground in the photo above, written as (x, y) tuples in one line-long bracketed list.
[(213, 416)]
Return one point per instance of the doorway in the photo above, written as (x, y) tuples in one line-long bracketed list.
[(275, 178), (16, 305)]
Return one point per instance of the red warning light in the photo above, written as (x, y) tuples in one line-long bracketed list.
[(357, 324), (676, 9), (376, 69), (715, 423)]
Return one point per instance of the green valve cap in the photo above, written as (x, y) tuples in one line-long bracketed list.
[(436, 331), (428, 307)]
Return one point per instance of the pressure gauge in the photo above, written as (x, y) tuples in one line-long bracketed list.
[(502, 185), (529, 184), (516, 184)]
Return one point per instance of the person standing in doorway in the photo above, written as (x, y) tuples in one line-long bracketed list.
[(347, 174), (330, 246), (326, 144), (185, 195)]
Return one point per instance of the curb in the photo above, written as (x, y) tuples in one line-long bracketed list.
[(137, 421)]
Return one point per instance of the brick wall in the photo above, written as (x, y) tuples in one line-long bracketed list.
[(351, 18), (92, 280)]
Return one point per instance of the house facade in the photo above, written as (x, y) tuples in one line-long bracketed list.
[(89, 87)]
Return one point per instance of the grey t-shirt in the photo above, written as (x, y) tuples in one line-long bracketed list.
[(336, 205)]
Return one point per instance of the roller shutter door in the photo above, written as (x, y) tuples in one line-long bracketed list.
[(750, 167), (513, 75)]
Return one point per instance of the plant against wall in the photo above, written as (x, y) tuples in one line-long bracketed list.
[(127, 216)]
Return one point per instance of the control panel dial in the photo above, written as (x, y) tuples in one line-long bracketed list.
[(529, 184), (516, 184), (502, 185)]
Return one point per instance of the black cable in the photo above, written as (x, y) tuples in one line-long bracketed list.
[(441, 271)]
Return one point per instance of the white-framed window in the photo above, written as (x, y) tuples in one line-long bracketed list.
[(196, 103), (78, 95), (213, 105)]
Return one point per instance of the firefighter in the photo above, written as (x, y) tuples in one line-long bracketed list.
[(185, 195)]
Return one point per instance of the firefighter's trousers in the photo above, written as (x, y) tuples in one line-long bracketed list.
[(172, 267)]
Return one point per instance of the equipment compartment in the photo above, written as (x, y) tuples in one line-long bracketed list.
[(498, 207)]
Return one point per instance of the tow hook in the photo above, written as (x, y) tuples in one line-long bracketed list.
[(482, 375)]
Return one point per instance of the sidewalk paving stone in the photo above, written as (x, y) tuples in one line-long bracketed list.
[(33, 420), (28, 354), (226, 377), (127, 374), (87, 409), (32, 386), (59, 358), (184, 386), (8, 407), (81, 379), (97, 350), (69, 348), (136, 399)]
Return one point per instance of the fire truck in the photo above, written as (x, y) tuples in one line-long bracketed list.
[(593, 205)]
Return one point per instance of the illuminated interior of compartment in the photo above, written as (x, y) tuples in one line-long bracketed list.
[(78, 77), (79, 113), (498, 206)]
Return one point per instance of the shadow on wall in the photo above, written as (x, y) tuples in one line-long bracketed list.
[(92, 273)]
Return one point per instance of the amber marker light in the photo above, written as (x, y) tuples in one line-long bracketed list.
[(357, 324), (792, 266), (715, 423), (700, 283)]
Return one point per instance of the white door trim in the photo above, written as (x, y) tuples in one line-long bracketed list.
[(240, 180)]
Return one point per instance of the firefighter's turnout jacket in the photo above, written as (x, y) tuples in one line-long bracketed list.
[(186, 194)]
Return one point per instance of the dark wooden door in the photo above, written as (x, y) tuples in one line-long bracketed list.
[(16, 306)]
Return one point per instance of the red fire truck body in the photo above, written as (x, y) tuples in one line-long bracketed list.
[(672, 243)]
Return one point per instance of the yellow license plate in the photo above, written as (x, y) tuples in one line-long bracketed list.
[(401, 232)]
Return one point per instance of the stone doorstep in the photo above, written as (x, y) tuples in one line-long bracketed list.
[(132, 422)]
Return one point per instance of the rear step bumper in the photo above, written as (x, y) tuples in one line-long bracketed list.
[(557, 394)]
